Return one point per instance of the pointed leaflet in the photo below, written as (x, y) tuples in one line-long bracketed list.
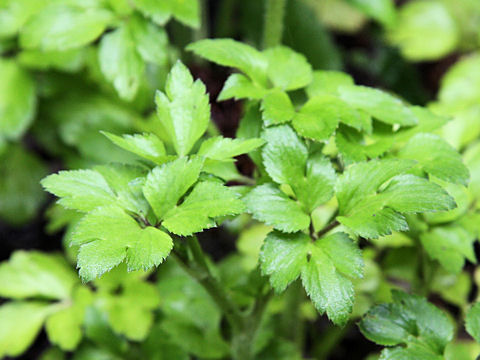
[(270, 205), (472, 321), (379, 104), (183, 110), (235, 54), (436, 157), (82, 190), (187, 12), (148, 146), (220, 148), (450, 245), (120, 63), (238, 86), (107, 235), (277, 108), (327, 82), (207, 201), (166, 184), (421, 329)]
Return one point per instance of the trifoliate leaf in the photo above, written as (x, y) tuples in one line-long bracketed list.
[(381, 105), (436, 157), (235, 54), (184, 109), (472, 322), (18, 100), (418, 329), (282, 257), (34, 274), (287, 69), (319, 117), (167, 183), (284, 155), (120, 63), (108, 235), (148, 146), (220, 148), (333, 260), (277, 108), (63, 27), (82, 190), (270, 205), (327, 82), (187, 12), (238, 86), (20, 323), (450, 245), (151, 41), (207, 201)]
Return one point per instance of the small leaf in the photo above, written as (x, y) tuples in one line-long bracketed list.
[(238, 86), (151, 248), (220, 148), (327, 82), (184, 109), (277, 108), (151, 41), (270, 205), (472, 321), (167, 183), (187, 12)]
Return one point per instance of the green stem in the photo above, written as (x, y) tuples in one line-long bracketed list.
[(330, 341), (273, 26), (225, 18), (291, 322)]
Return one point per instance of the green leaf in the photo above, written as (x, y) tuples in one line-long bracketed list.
[(472, 321), (220, 148), (425, 30), (34, 274), (151, 41), (120, 63), (416, 326), (148, 146), (18, 100), (167, 183), (381, 105), (20, 323), (187, 12), (333, 260), (381, 10), (107, 235), (282, 257), (63, 27), (450, 245), (184, 109), (82, 190), (327, 82), (238, 86), (270, 205), (234, 54), (436, 157), (207, 201), (277, 108), (284, 154), (319, 117), (287, 69)]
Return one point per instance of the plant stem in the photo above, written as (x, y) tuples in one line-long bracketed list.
[(327, 228), (291, 322), (330, 340), (273, 26)]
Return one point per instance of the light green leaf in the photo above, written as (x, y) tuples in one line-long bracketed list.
[(284, 154), (277, 108), (327, 82), (381, 105), (425, 30), (472, 322), (184, 110), (187, 12), (120, 63), (152, 247), (450, 245), (270, 205), (63, 27), (220, 148), (17, 100), (235, 54), (20, 323), (207, 201), (167, 183), (151, 41), (282, 257), (148, 146), (436, 157), (287, 69), (34, 274), (319, 117), (238, 86), (82, 190), (381, 10)]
